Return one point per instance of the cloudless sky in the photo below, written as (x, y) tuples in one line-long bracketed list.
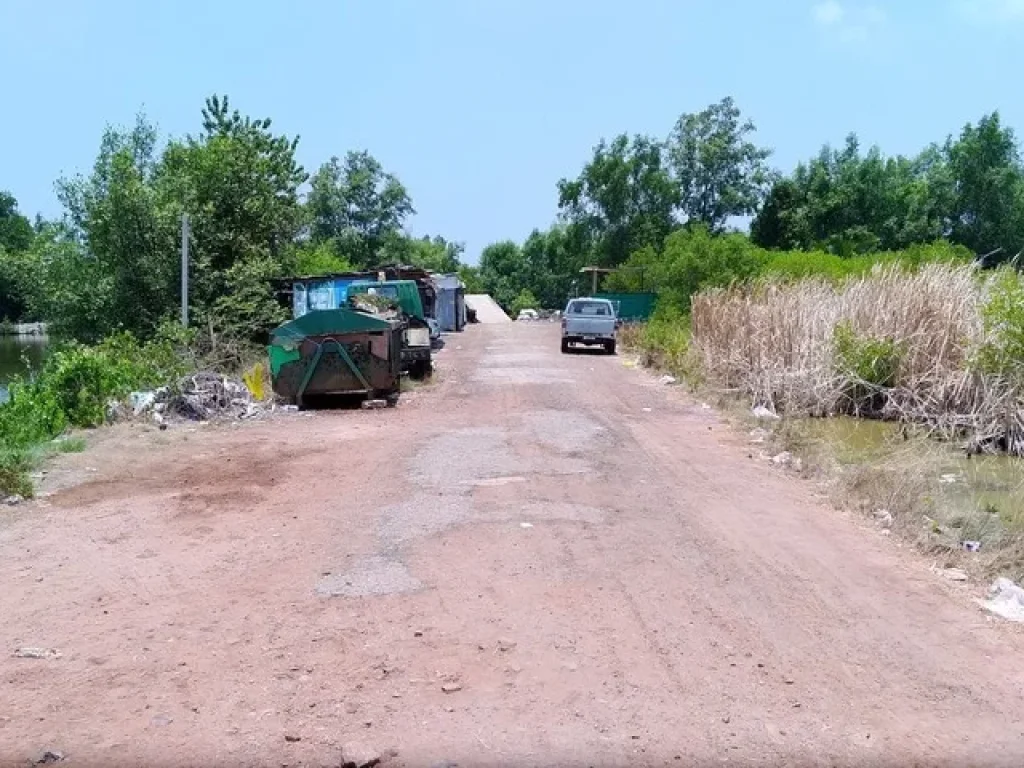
[(480, 106)]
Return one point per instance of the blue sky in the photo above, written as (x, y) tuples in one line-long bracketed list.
[(480, 106)]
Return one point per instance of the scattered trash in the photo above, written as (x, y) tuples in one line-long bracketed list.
[(37, 653), (758, 436), (783, 459), (162, 721), (1006, 600), (955, 574), (648, 410), (526, 525), (374, 405), (49, 756), (355, 754), (291, 737), (883, 517), (761, 412), (947, 479), (971, 546), (705, 407), (451, 687), (666, 379), (289, 408), (798, 464), (141, 401), (14, 500), (505, 645), (206, 395)]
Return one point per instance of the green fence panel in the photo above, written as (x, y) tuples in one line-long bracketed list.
[(632, 306)]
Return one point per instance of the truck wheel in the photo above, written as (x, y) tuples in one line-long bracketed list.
[(392, 399), (609, 347), (565, 347)]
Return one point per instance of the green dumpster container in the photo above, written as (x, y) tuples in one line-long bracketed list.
[(336, 352)]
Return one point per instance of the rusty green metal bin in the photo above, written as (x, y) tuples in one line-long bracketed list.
[(336, 352)]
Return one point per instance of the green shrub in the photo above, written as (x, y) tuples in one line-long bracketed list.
[(77, 383), (869, 364), (525, 300), (1002, 352), (69, 445), (31, 415), (664, 342), (14, 478)]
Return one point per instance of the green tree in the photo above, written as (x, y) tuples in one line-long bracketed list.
[(319, 259), (987, 212), (849, 203), (118, 215), (239, 183), (470, 277), (70, 288), (692, 259), (718, 171), (552, 266), (358, 206), (525, 300), (15, 230), (435, 254), (623, 200), (503, 271)]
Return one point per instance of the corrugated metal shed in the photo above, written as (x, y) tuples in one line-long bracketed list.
[(450, 308)]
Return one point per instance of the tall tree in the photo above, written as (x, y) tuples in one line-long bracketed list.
[(15, 230), (357, 206), (988, 198), (720, 173), (503, 271), (623, 200), (239, 183), (118, 216)]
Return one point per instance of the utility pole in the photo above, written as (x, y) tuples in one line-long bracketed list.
[(184, 269)]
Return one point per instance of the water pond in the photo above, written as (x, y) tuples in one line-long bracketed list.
[(20, 356)]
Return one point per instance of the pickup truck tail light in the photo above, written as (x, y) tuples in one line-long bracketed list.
[(563, 323)]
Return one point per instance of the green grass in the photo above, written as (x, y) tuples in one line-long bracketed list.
[(15, 466), (69, 445)]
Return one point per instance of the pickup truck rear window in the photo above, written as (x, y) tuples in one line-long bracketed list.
[(589, 308)]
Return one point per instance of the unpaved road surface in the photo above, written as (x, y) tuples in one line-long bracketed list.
[(542, 560)]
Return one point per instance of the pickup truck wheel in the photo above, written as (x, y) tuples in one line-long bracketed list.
[(565, 347), (609, 347)]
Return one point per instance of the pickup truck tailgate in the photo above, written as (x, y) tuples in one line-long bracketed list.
[(588, 325)]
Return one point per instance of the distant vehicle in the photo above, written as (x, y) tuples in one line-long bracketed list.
[(527, 314), (590, 322)]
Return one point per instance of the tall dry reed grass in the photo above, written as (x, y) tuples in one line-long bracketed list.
[(814, 347)]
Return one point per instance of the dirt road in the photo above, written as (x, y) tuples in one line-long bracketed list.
[(543, 560)]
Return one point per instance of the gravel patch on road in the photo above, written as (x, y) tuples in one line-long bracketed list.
[(567, 431), (373, 575), (422, 516), (462, 455)]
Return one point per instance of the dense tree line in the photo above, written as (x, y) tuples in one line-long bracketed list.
[(667, 210), (645, 203), (112, 261)]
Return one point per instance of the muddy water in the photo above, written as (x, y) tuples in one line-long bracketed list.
[(19, 356), (993, 484)]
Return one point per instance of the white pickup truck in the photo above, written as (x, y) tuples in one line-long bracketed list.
[(591, 322)]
